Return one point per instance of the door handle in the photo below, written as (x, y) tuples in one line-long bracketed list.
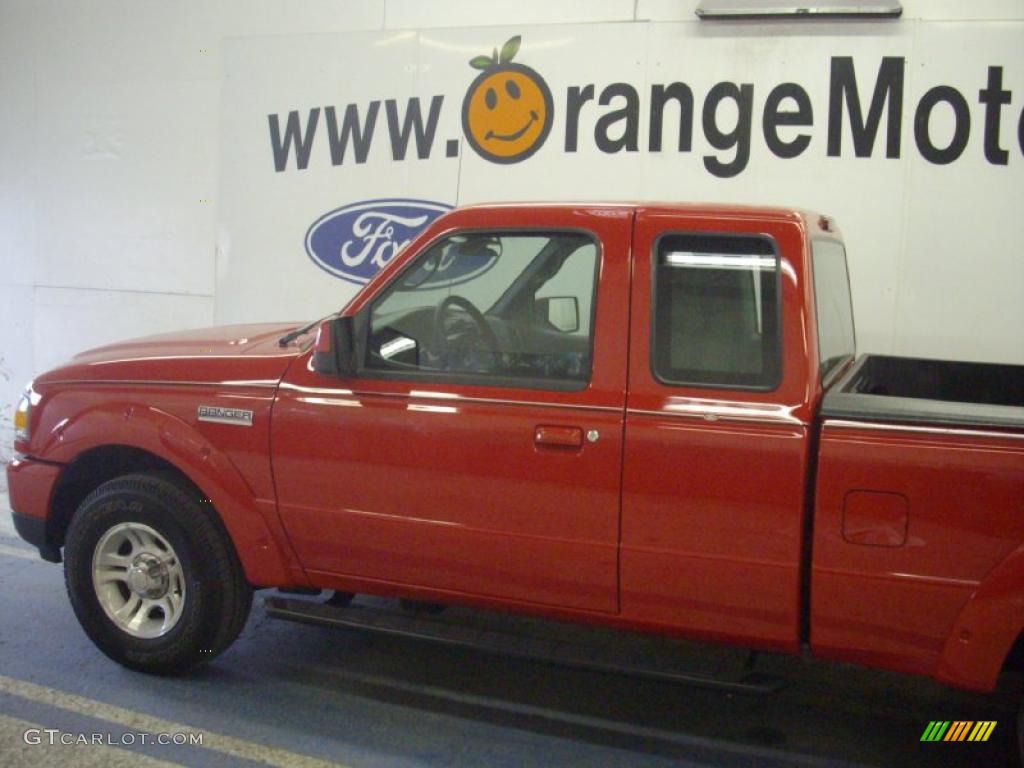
[(560, 437)]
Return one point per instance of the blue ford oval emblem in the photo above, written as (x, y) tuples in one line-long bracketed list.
[(357, 241)]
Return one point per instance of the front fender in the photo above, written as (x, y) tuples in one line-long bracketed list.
[(986, 629), (252, 523)]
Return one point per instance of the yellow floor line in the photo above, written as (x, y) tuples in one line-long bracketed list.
[(15, 752), (138, 721)]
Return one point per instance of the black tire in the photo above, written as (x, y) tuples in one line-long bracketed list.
[(216, 599)]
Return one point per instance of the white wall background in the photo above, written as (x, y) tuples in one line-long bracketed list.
[(112, 141)]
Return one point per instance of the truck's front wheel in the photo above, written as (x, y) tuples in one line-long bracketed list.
[(153, 580)]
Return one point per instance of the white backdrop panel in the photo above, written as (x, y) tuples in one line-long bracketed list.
[(935, 250)]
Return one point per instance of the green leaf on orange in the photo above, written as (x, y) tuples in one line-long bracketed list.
[(510, 49)]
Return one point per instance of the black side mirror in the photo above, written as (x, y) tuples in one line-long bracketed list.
[(334, 352)]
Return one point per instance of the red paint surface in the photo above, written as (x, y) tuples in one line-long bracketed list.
[(686, 515), (875, 519), (897, 606), (30, 485)]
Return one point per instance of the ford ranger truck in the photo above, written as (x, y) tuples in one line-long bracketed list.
[(645, 416)]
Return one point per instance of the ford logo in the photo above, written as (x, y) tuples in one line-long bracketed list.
[(357, 241)]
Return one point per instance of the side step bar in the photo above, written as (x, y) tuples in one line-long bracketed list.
[(550, 651)]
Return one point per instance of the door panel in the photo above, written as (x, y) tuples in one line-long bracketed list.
[(711, 525), (498, 491), (716, 429), (455, 495)]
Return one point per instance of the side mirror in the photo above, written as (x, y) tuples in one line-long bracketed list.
[(560, 312), (334, 348)]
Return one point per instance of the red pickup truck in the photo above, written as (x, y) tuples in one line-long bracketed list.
[(642, 416)]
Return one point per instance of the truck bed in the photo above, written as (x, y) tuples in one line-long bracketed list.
[(909, 390), (918, 505)]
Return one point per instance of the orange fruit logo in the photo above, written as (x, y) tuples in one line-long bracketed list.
[(508, 109)]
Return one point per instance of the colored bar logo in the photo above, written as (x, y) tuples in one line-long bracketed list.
[(958, 730)]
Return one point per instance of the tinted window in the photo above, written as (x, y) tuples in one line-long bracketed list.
[(491, 306), (716, 311), (836, 339)]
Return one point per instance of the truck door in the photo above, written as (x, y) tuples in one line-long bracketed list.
[(716, 429), (478, 449)]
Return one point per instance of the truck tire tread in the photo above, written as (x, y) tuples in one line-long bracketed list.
[(218, 602)]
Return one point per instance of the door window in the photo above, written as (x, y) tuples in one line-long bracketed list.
[(716, 311), (508, 308)]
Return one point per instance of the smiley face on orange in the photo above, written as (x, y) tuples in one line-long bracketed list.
[(508, 110)]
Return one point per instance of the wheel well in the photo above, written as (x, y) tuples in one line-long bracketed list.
[(1015, 658), (93, 468)]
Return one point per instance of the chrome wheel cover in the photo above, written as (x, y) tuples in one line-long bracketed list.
[(139, 580)]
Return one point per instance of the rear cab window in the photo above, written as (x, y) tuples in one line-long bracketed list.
[(716, 311), (833, 306)]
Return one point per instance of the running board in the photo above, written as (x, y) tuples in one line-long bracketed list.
[(550, 651)]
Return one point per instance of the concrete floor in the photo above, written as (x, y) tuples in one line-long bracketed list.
[(293, 695)]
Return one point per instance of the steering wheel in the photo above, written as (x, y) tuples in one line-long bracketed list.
[(486, 332)]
